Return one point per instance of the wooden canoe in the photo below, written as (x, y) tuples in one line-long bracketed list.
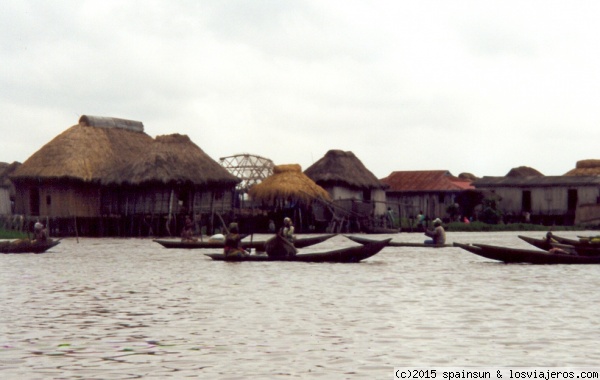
[(529, 256), (363, 240), (580, 248), (279, 246), (352, 254), (538, 243), (299, 242), (574, 242), (27, 246)]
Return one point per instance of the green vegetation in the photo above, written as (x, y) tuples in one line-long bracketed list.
[(11, 234)]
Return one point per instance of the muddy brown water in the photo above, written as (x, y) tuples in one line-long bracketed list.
[(129, 308)]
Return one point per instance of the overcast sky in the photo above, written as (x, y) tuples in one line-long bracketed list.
[(466, 86)]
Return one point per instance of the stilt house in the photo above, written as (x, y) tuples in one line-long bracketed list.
[(569, 199), (356, 191), (429, 191), (114, 179)]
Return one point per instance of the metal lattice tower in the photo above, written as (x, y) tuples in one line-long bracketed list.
[(251, 169)]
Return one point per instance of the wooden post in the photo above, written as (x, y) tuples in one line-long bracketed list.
[(76, 232)]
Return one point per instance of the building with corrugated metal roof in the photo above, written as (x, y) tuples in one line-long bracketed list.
[(428, 191)]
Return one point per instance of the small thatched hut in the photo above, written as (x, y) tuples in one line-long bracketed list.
[(585, 168), (353, 187), (523, 171), (289, 192)]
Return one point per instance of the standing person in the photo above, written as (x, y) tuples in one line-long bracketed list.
[(233, 245), (271, 225), (390, 217), (287, 231), (437, 235), (421, 220)]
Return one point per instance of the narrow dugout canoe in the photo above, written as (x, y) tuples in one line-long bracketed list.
[(528, 256), (363, 240), (27, 246), (538, 243), (300, 242), (352, 254), (575, 242)]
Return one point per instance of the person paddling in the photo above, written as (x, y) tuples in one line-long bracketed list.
[(233, 245), (287, 231), (437, 235)]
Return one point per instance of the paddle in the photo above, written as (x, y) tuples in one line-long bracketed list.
[(223, 223)]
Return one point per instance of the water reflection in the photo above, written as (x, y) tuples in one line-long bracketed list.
[(128, 308)]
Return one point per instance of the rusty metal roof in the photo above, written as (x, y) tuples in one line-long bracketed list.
[(425, 180)]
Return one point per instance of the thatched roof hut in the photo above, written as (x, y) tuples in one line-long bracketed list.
[(86, 152), (6, 170), (585, 168), (172, 159), (288, 181), (467, 176), (523, 171), (339, 168)]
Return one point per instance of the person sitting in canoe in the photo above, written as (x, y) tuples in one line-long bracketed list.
[(287, 231), (187, 235), (233, 244), (437, 235), (40, 233)]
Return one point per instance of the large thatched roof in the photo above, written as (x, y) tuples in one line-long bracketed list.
[(339, 168), (523, 171), (84, 152), (288, 181), (585, 168), (116, 151), (172, 159)]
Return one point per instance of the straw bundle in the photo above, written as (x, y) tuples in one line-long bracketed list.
[(288, 182), (339, 168)]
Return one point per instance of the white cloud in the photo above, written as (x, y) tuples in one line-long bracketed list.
[(464, 86)]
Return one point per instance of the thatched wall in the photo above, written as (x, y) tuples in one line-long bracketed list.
[(58, 199), (164, 201)]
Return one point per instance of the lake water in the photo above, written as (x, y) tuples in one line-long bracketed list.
[(129, 308)]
